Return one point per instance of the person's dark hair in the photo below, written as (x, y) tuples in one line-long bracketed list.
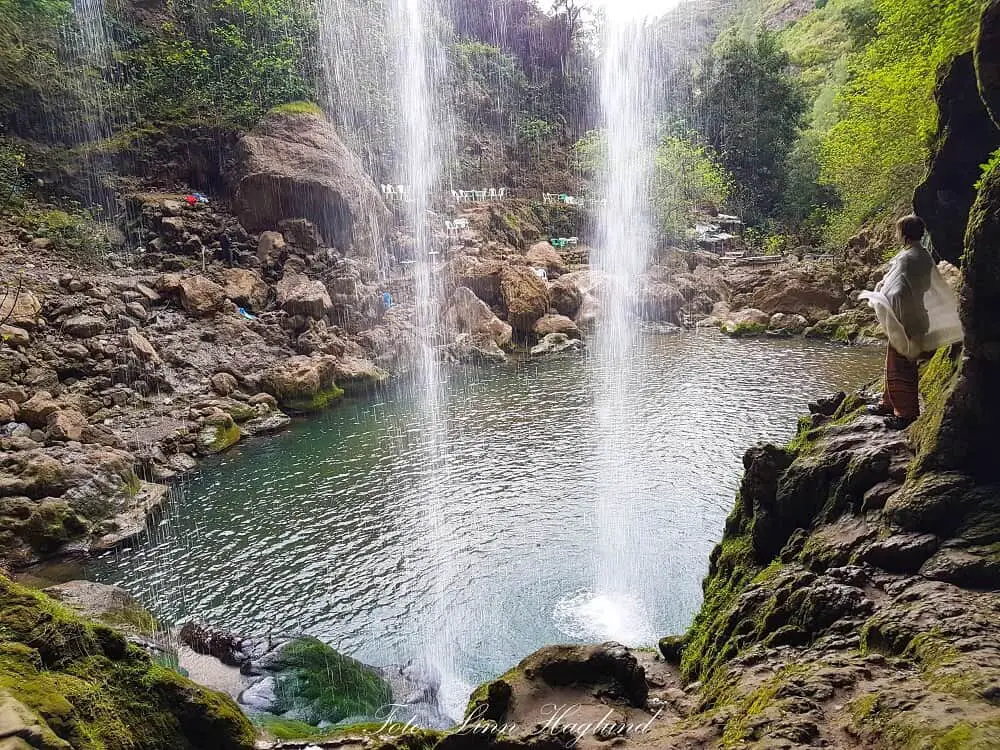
[(911, 228)]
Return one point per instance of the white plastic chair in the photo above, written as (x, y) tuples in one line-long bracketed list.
[(502, 193), (572, 241), (493, 194)]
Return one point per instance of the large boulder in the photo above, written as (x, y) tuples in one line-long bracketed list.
[(295, 166), (198, 295), (525, 297), (300, 295), (659, 300), (966, 137), (481, 276), (812, 293), (244, 287), (566, 296), (467, 313), (556, 324), (304, 383), (543, 255)]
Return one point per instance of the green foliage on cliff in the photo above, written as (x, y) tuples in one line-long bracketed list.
[(876, 152), (233, 59), (82, 685), (750, 110)]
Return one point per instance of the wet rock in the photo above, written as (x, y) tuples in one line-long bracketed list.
[(556, 324), (295, 166), (266, 424), (467, 313), (143, 503), (481, 276), (543, 255), (659, 300), (14, 336), (300, 295), (223, 383), (566, 296), (789, 324), (271, 248), (966, 138), (471, 349), (307, 679), (84, 326), (245, 288), (810, 292), (304, 383), (556, 343), (66, 424), (901, 553), (525, 297), (355, 374), (747, 322), (141, 346), (201, 296), (110, 604)]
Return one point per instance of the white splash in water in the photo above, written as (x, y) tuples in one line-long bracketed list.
[(587, 616)]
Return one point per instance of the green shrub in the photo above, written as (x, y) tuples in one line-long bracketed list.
[(74, 232)]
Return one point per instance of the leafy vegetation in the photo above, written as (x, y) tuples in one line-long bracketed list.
[(750, 110), (876, 151), (687, 178)]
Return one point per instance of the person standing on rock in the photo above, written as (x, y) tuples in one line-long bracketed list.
[(919, 313)]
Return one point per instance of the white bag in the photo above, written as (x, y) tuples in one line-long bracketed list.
[(892, 294)]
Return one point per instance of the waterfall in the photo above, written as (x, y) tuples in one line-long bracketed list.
[(419, 66), (616, 607)]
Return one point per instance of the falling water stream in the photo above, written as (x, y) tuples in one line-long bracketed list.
[(615, 609), (417, 96)]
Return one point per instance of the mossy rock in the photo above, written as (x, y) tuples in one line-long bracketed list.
[(317, 685), (318, 401), (215, 438), (743, 330), (84, 684)]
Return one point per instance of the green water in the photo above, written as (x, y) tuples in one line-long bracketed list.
[(323, 529)]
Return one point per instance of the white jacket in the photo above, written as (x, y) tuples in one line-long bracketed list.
[(914, 305)]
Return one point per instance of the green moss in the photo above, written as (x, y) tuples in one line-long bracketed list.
[(755, 703), (285, 729), (943, 666), (321, 685), (297, 108), (132, 617), (709, 640), (319, 401), (937, 380), (742, 330), (87, 685)]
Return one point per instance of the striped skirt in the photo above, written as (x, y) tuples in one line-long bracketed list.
[(902, 378)]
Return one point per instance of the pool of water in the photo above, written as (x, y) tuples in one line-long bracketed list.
[(323, 529)]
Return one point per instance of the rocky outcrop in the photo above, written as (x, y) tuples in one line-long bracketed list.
[(68, 683), (466, 313), (966, 138), (304, 383), (300, 295), (524, 296), (295, 166), (987, 54), (543, 255)]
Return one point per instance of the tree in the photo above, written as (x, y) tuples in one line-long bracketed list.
[(750, 109)]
